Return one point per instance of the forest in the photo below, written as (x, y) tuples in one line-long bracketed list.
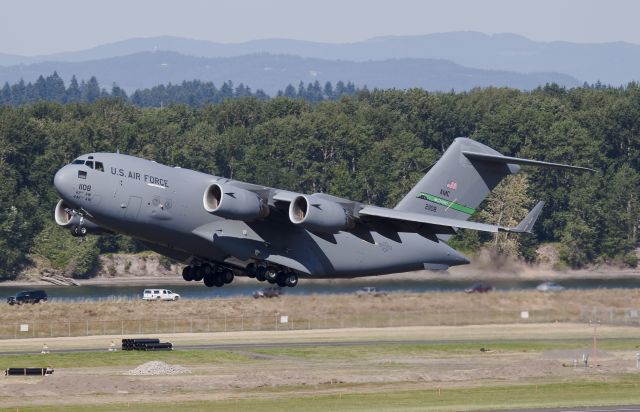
[(194, 93), (371, 146)]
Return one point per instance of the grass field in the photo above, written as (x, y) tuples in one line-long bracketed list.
[(449, 375), (556, 305), (439, 368), (125, 316), (620, 391)]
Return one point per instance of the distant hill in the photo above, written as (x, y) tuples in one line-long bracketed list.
[(273, 72), (612, 63)]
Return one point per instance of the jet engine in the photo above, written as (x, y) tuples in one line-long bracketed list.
[(79, 225), (231, 202), (65, 215), (318, 214)]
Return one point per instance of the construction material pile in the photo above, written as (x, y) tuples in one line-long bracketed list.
[(158, 368), (145, 344)]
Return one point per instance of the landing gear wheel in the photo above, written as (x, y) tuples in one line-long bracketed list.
[(227, 276), (186, 274), (291, 279), (198, 273), (280, 279), (271, 275), (204, 271), (209, 281), (251, 270), (260, 273), (79, 231), (218, 280)]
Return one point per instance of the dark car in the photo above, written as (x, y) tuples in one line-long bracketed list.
[(270, 292), (479, 288), (29, 296)]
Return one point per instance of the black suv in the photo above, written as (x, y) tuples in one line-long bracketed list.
[(30, 296)]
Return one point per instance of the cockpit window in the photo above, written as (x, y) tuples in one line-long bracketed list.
[(89, 163), (99, 166), (78, 162)]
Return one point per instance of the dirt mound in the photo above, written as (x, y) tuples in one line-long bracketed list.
[(158, 368)]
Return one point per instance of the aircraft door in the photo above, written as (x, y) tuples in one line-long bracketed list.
[(132, 209)]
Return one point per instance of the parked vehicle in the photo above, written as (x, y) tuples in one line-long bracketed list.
[(550, 287), (159, 294), (270, 292), (370, 291), (29, 296), (479, 288)]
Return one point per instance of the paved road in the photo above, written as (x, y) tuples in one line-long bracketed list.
[(626, 408), (260, 345), (246, 346)]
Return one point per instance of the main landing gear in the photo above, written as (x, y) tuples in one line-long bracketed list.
[(216, 275), (211, 275), (273, 275)]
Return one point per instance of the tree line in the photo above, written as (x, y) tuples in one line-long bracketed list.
[(370, 147), (194, 93)]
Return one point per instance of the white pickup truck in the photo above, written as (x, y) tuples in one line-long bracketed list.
[(159, 294)]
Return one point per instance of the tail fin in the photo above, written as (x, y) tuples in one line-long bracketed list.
[(463, 177)]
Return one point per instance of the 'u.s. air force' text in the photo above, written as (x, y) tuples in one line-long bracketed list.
[(140, 176)]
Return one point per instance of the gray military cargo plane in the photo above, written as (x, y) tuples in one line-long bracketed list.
[(221, 227)]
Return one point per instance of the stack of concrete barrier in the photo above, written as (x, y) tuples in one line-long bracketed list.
[(145, 344), (28, 371)]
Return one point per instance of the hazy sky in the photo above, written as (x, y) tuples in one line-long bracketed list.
[(32, 27)]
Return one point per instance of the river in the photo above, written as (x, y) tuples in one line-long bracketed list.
[(193, 290)]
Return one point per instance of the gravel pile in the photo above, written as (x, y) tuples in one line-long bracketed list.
[(158, 368)]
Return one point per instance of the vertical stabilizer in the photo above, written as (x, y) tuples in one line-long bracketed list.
[(456, 185)]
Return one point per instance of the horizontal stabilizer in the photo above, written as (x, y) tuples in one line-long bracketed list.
[(444, 224), (441, 224), (518, 161), (526, 225)]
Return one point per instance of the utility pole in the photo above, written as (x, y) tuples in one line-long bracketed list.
[(594, 353)]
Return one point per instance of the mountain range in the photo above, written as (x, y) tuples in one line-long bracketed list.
[(444, 61), (273, 72)]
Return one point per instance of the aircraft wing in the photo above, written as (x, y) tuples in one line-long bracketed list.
[(445, 224)]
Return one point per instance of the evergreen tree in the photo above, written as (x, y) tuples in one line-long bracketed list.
[(328, 91), (55, 88), (73, 93), (117, 92), (91, 90), (290, 91), (5, 95)]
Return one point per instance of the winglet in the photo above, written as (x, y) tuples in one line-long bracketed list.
[(526, 225)]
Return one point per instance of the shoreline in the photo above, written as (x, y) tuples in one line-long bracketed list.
[(471, 274)]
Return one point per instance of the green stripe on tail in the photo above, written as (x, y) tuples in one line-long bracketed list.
[(449, 204)]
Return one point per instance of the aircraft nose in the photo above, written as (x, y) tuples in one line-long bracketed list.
[(63, 180)]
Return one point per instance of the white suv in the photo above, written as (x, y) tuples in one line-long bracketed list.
[(159, 294)]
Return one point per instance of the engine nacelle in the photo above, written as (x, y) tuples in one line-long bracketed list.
[(318, 214), (234, 203), (65, 216)]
